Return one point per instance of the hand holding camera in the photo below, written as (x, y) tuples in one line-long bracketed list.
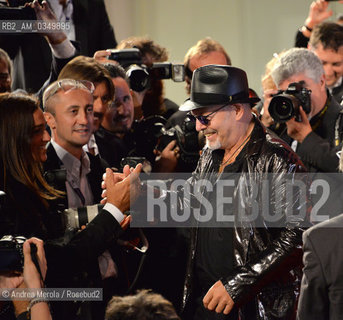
[(166, 160), (299, 130), (23, 257), (139, 74), (102, 56), (292, 106), (266, 118), (35, 265), (285, 104)]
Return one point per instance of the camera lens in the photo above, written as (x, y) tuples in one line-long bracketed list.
[(281, 108), (139, 78)]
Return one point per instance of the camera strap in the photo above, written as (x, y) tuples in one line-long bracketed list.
[(338, 129), (321, 115)]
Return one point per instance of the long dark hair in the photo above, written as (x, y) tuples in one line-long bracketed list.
[(16, 130)]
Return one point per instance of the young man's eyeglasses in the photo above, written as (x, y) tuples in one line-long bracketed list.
[(204, 119), (66, 85)]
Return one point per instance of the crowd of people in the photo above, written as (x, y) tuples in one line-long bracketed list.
[(76, 136)]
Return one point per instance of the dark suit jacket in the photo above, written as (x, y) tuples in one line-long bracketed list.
[(32, 55), (321, 295), (52, 167), (85, 246), (70, 265)]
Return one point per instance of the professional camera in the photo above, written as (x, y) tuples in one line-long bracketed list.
[(285, 104), (74, 219), (11, 253), (149, 134), (16, 10), (139, 74), (145, 135), (187, 139)]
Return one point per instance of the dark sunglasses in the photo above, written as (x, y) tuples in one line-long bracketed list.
[(204, 119)]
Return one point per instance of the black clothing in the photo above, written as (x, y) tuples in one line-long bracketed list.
[(27, 217), (300, 40), (53, 163), (320, 152), (31, 54), (321, 286), (111, 147), (69, 265), (266, 259), (337, 93), (57, 65), (176, 119), (214, 256), (91, 278), (171, 108)]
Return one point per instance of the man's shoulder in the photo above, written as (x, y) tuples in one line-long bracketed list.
[(274, 150), (97, 163), (105, 137), (335, 105), (53, 161), (327, 229), (337, 93)]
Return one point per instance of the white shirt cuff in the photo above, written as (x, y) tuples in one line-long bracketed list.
[(114, 211), (63, 50)]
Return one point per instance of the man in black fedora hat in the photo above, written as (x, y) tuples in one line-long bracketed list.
[(246, 269)]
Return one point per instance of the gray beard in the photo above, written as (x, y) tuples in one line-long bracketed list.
[(215, 146)]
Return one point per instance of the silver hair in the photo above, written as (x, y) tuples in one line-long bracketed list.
[(295, 61), (64, 84)]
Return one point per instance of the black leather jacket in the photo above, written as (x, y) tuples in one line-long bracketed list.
[(265, 280)]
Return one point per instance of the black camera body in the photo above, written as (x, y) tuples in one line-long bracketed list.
[(11, 253), (150, 133), (16, 10), (285, 104), (186, 138), (139, 74)]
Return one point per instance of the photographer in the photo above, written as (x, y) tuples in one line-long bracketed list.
[(28, 210), (327, 43), (206, 51), (86, 22), (314, 128), (118, 136), (318, 12), (154, 102), (60, 48), (325, 39), (31, 279), (313, 138), (113, 136)]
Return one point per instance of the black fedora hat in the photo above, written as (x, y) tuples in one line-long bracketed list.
[(216, 84)]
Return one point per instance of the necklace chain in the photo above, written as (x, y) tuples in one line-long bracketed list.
[(241, 145)]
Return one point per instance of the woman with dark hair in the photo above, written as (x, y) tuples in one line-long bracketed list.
[(26, 211), (23, 138)]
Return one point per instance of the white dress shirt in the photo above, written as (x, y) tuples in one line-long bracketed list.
[(75, 180)]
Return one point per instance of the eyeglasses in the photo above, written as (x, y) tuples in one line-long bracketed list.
[(66, 85), (204, 119)]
